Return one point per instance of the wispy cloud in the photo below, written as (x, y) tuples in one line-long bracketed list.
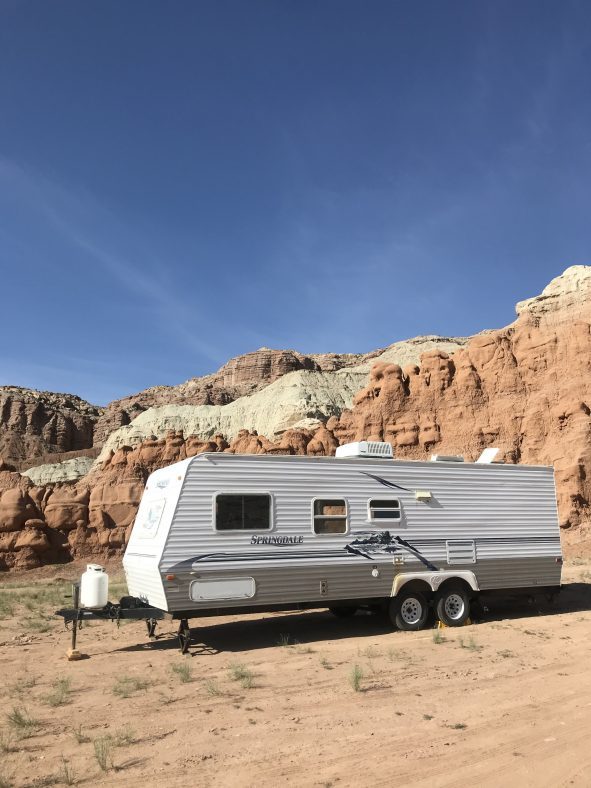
[(89, 227)]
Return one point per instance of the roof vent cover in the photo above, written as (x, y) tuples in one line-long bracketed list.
[(366, 449)]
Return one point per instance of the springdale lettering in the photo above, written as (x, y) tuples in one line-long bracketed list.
[(277, 540)]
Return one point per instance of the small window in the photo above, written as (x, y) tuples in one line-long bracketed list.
[(243, 512), (384, 509), (330, 516)]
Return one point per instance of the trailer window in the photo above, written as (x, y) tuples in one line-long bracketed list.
[(243, 512), (330, 516), (384, 509)]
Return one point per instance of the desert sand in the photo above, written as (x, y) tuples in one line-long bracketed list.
[(270, 699)]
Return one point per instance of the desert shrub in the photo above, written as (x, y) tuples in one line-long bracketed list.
[(184, 671), (212, 688), (126, 686), (21, 722), (103, 748), (80, 737), (60, 694), (66, 773), (123, 737), (355, 678), (241, 673), (469, 644)]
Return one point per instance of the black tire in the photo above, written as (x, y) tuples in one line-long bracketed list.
[(343, 611), (452, 606), (409, 611), (184, 636), (151, 626)]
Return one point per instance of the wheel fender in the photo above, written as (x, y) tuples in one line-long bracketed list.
[(434, 579)]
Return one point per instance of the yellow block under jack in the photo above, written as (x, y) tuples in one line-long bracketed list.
[(441, 625)]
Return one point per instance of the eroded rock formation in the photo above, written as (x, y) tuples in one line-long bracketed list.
[(34, 423)]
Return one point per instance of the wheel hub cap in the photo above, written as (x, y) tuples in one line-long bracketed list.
[(454, 606), (411, 610)]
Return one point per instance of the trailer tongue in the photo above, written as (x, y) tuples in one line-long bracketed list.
[(93, 589)]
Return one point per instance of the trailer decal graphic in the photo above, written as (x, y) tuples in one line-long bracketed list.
[(385, 482), (368, 544), (381, 543), (264, 556)]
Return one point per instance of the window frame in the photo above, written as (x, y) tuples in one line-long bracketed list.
[(238, 493), (388, 520), (330, 516)]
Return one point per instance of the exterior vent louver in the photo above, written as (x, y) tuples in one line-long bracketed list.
[(461, 552), (375, 449)]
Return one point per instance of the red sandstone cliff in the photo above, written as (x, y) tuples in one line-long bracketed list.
[(36, 423)]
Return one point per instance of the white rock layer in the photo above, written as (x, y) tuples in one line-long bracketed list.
[(409, 351), (68, 471), (298, 399), (568, 293)]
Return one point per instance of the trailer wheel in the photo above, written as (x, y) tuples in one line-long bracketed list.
[(453, 606), (343, 611), (409, 611)]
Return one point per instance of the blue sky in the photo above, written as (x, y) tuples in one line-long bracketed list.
[(183, 182)]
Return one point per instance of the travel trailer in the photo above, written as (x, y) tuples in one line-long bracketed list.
[(243, 533)]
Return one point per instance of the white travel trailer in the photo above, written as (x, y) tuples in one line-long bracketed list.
[(227, 533)]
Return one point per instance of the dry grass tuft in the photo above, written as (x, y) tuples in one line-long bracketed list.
[(103, 749), (126, 686), (184, 671), (60, 694), (21, 722), (66, 773), (21, 685), (6, 742), (355, 678), (470, 644), (124, 737), (212, 688), (80, 737), (241, 673)]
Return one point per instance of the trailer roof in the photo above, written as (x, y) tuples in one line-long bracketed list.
[(359, 460)]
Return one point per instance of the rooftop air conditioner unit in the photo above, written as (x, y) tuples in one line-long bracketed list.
[(375, 449)]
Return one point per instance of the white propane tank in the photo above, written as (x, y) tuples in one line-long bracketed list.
[(94, 587)]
